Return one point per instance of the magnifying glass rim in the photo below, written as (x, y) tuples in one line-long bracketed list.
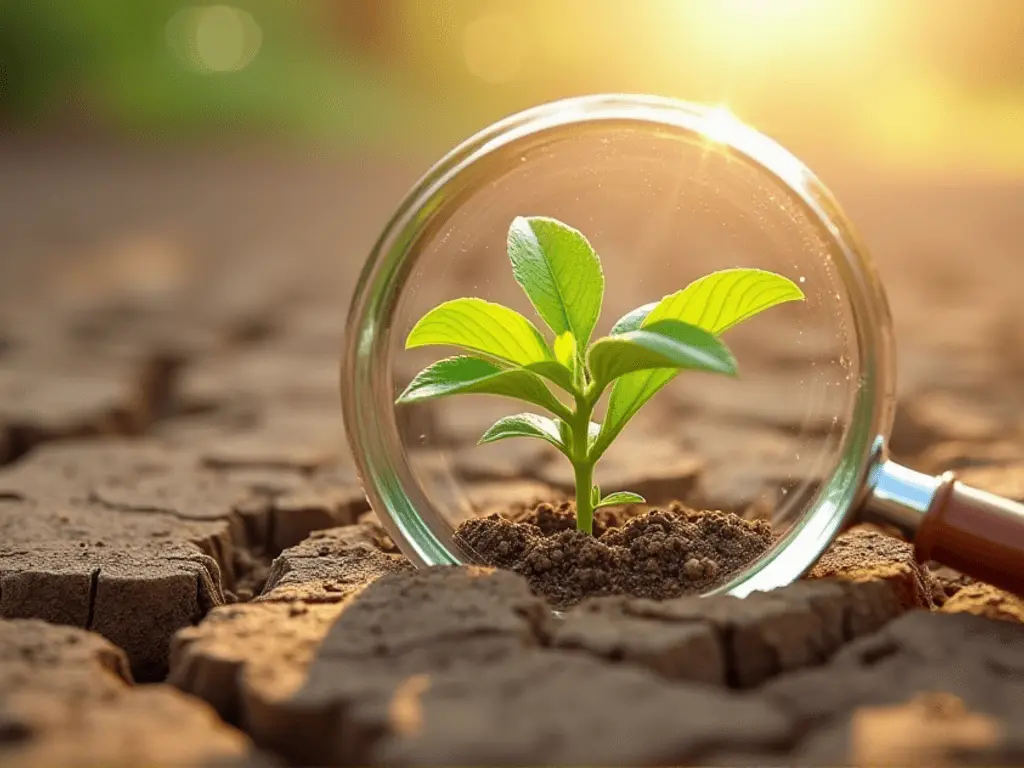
[(367, 377)]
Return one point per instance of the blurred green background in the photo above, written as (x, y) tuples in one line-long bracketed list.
[(895, 82)]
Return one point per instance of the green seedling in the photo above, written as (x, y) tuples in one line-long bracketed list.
[(561, 274)]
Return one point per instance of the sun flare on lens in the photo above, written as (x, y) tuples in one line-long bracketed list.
[(722, 126)]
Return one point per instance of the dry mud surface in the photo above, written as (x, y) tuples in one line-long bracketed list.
[(188, 573)]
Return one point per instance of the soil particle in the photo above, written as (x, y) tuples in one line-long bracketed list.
[(658, 554), (555, 518)]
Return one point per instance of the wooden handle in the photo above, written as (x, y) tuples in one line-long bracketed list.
[(976, 533)]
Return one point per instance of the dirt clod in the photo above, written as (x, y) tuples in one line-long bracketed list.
[(66, 699), (864, 554), (986, 600), (658, 554)]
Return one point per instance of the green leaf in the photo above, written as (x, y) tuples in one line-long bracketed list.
[(554, 371), (565, 349), (629, 394), (474, 375), (483, 327), (560, 273), (526, 425), (595, 496), (622, 497), (665, 344), (631, 321), (716, 303)]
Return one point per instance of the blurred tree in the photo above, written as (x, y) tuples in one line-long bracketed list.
[(41, 57), (152, 67)]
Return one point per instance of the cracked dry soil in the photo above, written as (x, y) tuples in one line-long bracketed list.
[(190, 574)]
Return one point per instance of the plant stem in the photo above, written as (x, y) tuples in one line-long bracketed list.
[(584, 504), (583, 465)]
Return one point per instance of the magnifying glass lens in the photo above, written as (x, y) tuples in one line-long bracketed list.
[(666, 193)]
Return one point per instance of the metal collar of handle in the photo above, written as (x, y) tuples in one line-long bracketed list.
[(977, 533)]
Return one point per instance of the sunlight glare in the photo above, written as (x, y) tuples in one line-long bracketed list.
[(722, 125), (752, 29)]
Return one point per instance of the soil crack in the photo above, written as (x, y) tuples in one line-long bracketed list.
[(94, 585), (149, 395), (113, 506)]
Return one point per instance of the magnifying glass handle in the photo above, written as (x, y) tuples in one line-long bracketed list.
[(977, 533)]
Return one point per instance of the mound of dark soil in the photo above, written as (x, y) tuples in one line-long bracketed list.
[(658, 554), (555, 518)]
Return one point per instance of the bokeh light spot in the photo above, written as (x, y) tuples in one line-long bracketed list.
[(215, 38), (495, 46)]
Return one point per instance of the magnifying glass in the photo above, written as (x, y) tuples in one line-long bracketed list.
[(667, 192)]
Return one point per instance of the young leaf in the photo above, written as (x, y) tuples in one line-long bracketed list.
[(565, 349), (718, 301), (559, 271), (483, 327), (595, 496), (473, 375), (715, 303), (665, 344), (526, 425), (622, 497), (631, 321)]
